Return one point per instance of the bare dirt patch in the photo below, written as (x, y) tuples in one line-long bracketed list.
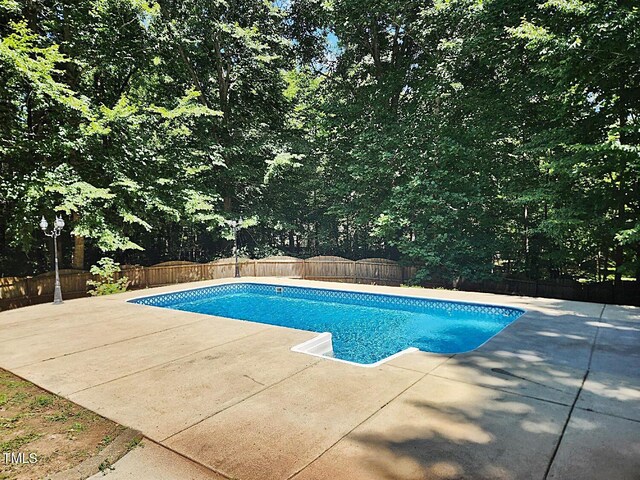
[(41, 433)]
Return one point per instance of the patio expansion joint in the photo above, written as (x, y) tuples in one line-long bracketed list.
[(167, 362), (498, 389), (111, 343), (432, 370), (421, 371), (607, 414), (575, 400), (506, 373)]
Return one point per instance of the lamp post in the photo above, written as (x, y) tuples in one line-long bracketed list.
[(235, 225), (58, 225)]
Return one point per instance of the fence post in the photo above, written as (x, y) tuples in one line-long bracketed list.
[(27, 289)]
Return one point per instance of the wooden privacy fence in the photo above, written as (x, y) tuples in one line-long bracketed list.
[(17, 292)]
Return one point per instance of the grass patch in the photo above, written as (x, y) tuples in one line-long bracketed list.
[(58, 417), (14, 444), (106, 440), (12, 383), (136, 442), (42, 401), (105, 465), (19, 397), (9, 422), (60, 433), (77, 427)]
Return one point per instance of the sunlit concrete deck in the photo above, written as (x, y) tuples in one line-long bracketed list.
[(554, 395)]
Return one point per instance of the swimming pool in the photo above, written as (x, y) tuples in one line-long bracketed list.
[(357, 327)]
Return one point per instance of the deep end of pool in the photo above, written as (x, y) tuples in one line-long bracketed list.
[(355, 327)]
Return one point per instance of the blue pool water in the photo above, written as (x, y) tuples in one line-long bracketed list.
[(365, 327)]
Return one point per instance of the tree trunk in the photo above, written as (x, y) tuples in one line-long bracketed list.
[(638, 264), (186, 60), (374, 47), (622, 119), (526, 242), (618, 257), (223, 81), (77, 259)]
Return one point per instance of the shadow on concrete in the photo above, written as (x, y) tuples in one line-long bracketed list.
[(517, 408)]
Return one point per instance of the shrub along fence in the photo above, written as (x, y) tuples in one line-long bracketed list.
[(17, 292)]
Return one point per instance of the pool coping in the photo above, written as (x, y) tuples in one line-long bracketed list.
[(317, 346)]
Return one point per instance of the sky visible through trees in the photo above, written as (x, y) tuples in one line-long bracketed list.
[(472, 138)]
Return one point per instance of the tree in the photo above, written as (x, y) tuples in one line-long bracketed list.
[(472, 138)]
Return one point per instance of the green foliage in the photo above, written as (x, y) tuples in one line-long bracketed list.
[(472, 138), (106, 284), (37, 65)]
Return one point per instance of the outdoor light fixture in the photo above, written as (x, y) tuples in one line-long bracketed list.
[(235, 225), (58, 225)]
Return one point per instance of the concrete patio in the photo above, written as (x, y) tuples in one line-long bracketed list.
[(555, 395)]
